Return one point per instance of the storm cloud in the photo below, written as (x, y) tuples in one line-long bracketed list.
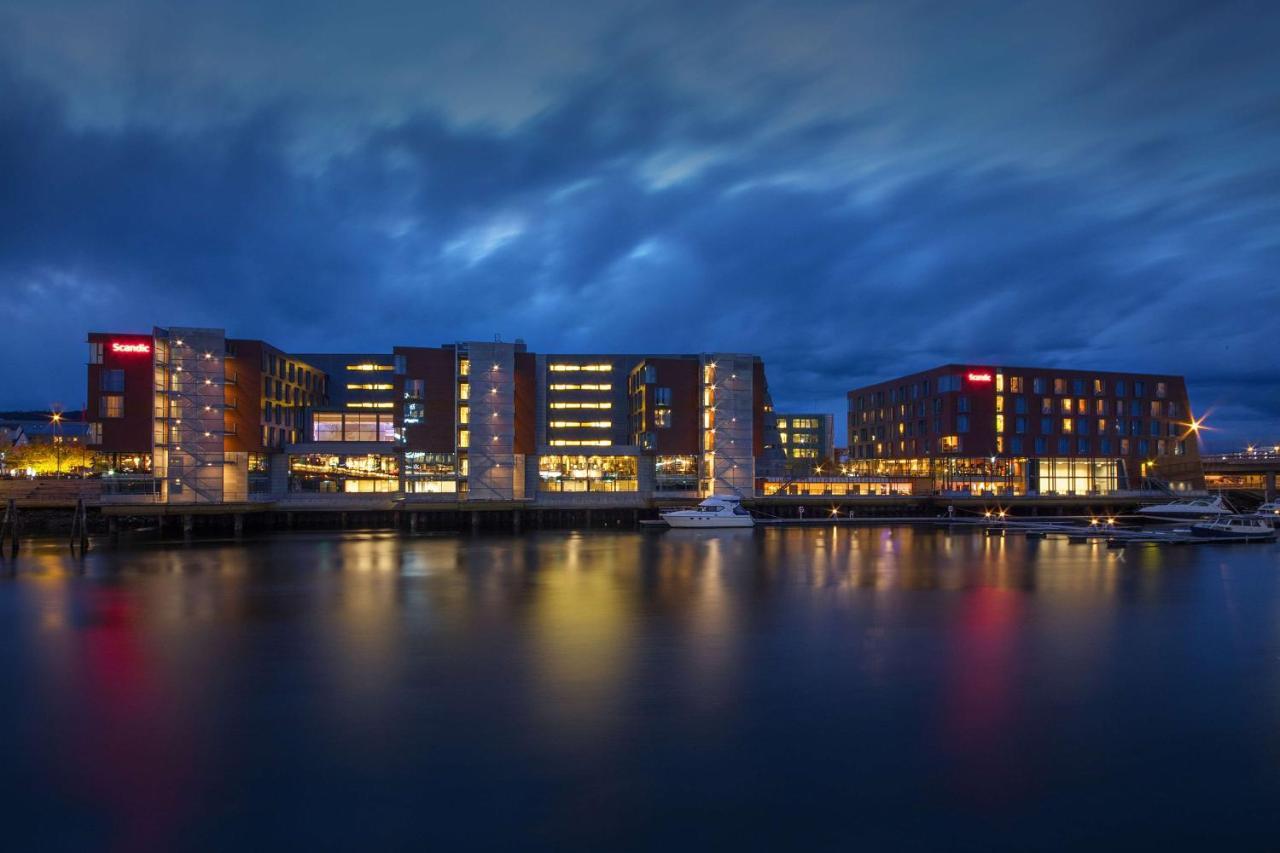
[(850, 190)]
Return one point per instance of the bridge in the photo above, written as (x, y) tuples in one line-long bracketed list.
[(1252, 470)]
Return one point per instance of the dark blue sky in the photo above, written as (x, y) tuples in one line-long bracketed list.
[(852, 190)]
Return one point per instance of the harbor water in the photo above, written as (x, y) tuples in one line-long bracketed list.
[(785, 688)]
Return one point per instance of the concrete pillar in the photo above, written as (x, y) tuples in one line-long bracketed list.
[(588, 521), (413, 522), (342, 520), (515, 521), (113, 529), (475, 520), (1270, 490), (238, 524), (188, 525)]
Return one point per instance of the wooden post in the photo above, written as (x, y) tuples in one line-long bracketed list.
[(188, 525), (475, 520), (9, 527), (515, 521), (238, 524)]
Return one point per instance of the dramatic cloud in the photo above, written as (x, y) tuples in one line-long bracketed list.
[(851, 190)]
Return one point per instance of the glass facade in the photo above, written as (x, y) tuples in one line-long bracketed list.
[(328, 473), (588, 473)]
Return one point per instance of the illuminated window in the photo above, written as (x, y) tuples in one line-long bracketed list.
[(584, 442), (581, 405), (464, 414), (369, 386), (464, 391), (1066, 426), (1015, 384), (577, 387), (949, 443), (662, 418), (112, 406), (464, 367), (371, 368), (371, 404), (464, 438), (581, 424), (586, 368), (999, 423)]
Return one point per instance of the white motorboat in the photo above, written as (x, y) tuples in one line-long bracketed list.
[(1270, 509), (715, 511), (1240, 527), (1187, 509)]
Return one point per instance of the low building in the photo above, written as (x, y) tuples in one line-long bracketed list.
[(987, 429)]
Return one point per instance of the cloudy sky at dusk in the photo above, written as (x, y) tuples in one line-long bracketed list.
[(852, 190)]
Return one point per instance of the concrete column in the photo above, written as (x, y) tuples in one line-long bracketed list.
[(413, 522), (113, 529), (588, 523), (475, 520), (188, 525), (238, 524), (1270, 490), (515, 521)]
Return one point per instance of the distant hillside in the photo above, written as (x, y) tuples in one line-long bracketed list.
[(38, 416)]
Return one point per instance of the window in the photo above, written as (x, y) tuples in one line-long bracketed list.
[(1066, 426), (369, 386), (1144, 447), (999, 423), (1020, 405), (661, 418), (1046, 425), (1041, 445), (1082, 426), (571, 368), (962, 404), (1015, 384), (112, 406), (1064, 445), (1099, 387), (1077, 386), (413, 412), (1046, 406), (1019, 425), (414, 389), (1066, 405), (1015, 444), (962, 423), (1059, 386), (95, 353), (1162, 389), (1082, 446), (1139, 388), (1104, 447), (1119, 387), (367, 367), (949, 443), (662, 396), (1037, 385), (95, 434), (1156, 408), (113, 381)]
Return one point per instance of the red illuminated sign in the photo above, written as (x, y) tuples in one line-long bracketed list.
[(128, 349), (974, 376)]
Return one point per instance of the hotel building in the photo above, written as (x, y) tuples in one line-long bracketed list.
[(1026, 430), (188, 415)]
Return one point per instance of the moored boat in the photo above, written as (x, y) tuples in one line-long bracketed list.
[(715, 511), (1187, 509), (1237, 527)]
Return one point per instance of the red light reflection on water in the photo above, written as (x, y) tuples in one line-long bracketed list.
[(130, 751), (979, 695)]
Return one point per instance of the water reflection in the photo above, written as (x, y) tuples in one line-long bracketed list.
[(223, 693)]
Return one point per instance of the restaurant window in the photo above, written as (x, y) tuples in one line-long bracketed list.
[(112, 406), (572, 473), (340, 474)]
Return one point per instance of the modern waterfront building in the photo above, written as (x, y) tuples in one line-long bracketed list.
[(808, 442), (982, 429), (188, 415)]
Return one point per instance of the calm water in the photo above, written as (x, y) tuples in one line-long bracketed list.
[(872, 688)]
